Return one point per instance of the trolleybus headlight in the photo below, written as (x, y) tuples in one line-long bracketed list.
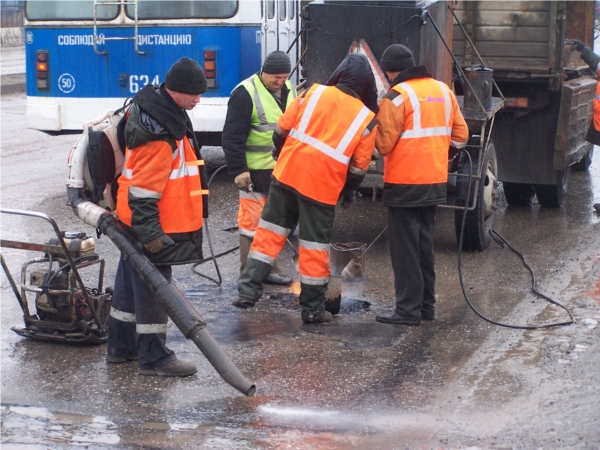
[(210, 68), (41, 67)]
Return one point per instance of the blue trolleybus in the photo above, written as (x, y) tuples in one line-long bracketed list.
[(86, 57)]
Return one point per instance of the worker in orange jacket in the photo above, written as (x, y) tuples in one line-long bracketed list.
[(593, 133), (418, 120), (592, 60), (161, 202), (323, 146)]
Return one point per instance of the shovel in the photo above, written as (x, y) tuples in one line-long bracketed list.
[(353, 268), (296, 256)]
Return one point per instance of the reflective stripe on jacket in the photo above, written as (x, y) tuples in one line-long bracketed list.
[(170, 177), (265, 114), (597, 104), (327, 131), (421, 153)]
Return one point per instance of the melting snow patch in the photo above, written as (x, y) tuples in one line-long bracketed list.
[(563, 361), (32, 411), (183, 426), (580, 347), (590, 323), (96, 438)]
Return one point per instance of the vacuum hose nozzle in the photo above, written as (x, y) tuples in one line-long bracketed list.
[(177, 306)]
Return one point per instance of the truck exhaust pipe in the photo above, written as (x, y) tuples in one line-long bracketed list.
[(177, 306)]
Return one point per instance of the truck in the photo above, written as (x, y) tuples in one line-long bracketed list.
[(530, 134)]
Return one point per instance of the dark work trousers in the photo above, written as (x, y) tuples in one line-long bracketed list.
[(412, 232), (283, 210), (138, 323)]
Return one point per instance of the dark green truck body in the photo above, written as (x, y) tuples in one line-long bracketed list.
[(524, 42)]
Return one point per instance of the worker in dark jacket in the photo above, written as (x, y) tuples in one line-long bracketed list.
[(253, 110), (592, 60), (162, 202), (323, 145), (418, 120)]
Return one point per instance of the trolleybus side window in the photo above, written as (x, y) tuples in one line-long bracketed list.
[(270, 9), (282, 10), (68, 10), (151, 9), (292, 9)]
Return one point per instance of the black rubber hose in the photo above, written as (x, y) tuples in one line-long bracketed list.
[(210, 247), (502, 242), (179, 309)]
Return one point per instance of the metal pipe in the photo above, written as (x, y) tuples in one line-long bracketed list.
[(177, 306)]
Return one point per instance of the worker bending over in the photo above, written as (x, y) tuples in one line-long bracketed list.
[(323, 142), (253, 110), (418, 120), (160, 202)]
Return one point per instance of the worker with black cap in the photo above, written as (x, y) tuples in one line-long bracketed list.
[(161, 202), (418, 120), (254, 108)]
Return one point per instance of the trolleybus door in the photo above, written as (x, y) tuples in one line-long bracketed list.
[(280, 27)]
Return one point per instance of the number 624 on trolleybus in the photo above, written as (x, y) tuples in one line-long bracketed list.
[(86, 57)]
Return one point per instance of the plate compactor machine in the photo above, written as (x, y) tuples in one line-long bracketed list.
[(66, 310)]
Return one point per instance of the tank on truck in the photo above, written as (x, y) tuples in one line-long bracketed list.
[(540, 136)]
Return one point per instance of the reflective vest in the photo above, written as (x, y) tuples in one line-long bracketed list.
[(597, 105), (420, 156), (315, 157), (265, 114), (180, 201)]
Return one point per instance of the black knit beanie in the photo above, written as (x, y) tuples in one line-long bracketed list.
[(187, 77), (277, 62), (397, 58)]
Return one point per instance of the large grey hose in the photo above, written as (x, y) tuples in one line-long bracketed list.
[(179, 309)]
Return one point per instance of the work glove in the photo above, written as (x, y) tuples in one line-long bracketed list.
[(157, 244), (590, 58), (275, 153), (348, 198), (578, 45), (243, 180)]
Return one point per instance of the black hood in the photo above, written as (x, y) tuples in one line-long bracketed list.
[(355, 73), (159, 105)]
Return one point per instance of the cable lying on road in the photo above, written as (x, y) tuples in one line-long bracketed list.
[(213, 257), (503, 243)]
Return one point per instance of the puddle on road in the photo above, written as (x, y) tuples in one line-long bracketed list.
[(34, 426), (269, 426), (362, 336)]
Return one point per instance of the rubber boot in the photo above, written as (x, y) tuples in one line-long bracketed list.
[(174, 368), (245, 243), (278, 278), (275, 277)]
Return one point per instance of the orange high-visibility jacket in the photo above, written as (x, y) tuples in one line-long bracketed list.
[(597, 105), (328, 133), (154, 171), (418, 120)]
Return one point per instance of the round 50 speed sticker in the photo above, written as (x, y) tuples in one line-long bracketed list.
[(66, 83)]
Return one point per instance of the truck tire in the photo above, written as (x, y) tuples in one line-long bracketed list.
[(479, 221), (518, 194), (553, 195), (584, 164)]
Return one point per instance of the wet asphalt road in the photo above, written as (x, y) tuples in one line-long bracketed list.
[(456, 382)]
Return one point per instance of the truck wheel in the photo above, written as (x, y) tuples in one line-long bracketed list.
[(584, 164), (518, 193), (553, 195), (479, 221)]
